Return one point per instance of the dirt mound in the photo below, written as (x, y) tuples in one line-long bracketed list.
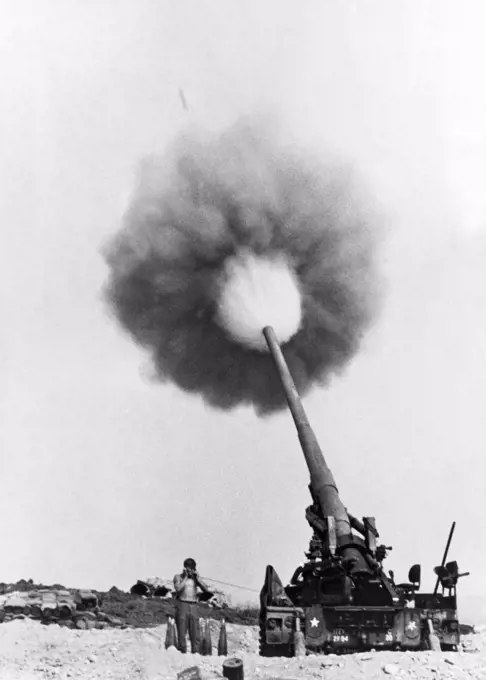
[(31, 650), (71, 607), (142, 612)]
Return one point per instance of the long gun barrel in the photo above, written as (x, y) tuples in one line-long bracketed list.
[(322, 481)]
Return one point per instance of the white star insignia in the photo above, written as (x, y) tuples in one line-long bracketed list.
[(314, 622), (412, 625)]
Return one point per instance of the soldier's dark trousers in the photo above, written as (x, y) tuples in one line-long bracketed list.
[(187, 620)]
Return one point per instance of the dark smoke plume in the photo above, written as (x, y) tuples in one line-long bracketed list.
[(203, 203)]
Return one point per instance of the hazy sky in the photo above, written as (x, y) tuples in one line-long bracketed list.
[(107, 478)]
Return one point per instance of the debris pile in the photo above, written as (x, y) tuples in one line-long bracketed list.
[(72, 609), (77, 608), (153, 587), (164, 588)]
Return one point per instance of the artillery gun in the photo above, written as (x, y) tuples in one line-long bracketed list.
[(340, 597)]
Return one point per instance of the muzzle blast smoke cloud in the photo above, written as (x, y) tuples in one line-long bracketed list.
[(228, 235)]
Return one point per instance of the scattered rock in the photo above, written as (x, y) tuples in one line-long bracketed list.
[(471, 644), (191, 673), (391, 668)]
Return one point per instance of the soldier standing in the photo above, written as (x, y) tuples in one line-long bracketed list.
[(187, 610)]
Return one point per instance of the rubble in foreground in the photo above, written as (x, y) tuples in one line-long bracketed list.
[(32, 650)]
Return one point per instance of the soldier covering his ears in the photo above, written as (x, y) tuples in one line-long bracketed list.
[(186, 585)]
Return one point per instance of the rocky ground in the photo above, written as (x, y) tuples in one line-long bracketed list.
[(29, 649)]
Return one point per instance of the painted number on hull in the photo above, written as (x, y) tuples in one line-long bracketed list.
[(340, 638)]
